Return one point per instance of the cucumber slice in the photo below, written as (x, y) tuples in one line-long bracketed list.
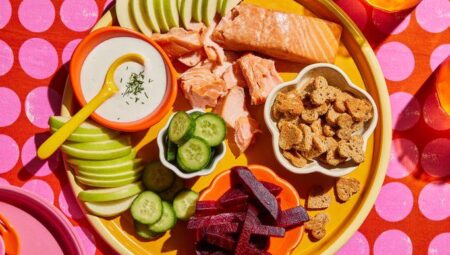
[(186, 12), (107, 183), (111, 194), (194, 155), (157, 177), (160, 15), (211, 128), (227, 5), (167, 220), (109, 208), (197, 10), (149, 7), (181, 128), (143, 231), (184, 204), (147, 208), (137, 8), (209, 10), (173, 190), (195, 115), (171, 13), (171, 153)]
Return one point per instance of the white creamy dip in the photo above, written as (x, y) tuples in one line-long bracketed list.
[(143, 96)]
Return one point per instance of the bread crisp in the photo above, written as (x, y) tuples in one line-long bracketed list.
[(346, 187), (316, 225), (318, 199)]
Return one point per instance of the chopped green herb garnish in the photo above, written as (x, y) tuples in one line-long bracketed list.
[(121, 80), (145, 94), (136, 99), (127, 102), (135, 84)]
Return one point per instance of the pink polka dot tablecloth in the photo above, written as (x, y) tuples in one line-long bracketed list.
[(412, 212)]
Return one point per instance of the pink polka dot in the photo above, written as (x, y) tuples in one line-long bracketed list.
[(36, 15), (439, 244), (3, 182), (390, 23), (40, 188), (9, 106), (357, 245), (40, 104), (68, 203), (9, 153), (436, 158), (434, 115), (38, 58), (393, 242), (394, 202), (433, 15), (439, 55), (356, 10), (34, 165), (79, 15), (405, 110), (7, 58), (434, 200), (396, 60), (87, 239), (5, 13), (404, 158), (68, 50)]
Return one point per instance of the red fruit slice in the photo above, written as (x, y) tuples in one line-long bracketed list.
[(292, 217), (233, 196), (254, 188), (206, 208), (273, 188), (220, 240)]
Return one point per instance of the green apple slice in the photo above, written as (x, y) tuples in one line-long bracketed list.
[(83, 138), (111, 194), (101, 163), (227, 5), (171, 13), (88, 127), (112, 176), (186, 12), (103, 150), (209, 10), (107, 183), (179, 4), (137, 8), (219, 5), (150, 14), (160, 15), (110, 169), (197, 10), (109, 208), (124, 16)]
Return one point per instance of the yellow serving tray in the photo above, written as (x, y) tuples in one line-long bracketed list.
[(358, 60)]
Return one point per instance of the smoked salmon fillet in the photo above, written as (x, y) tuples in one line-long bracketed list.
[(280, 35)]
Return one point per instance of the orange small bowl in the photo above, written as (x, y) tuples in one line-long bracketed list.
[(88, 44), (288, 198)]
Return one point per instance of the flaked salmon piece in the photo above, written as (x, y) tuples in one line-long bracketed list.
[(246, 129), (260, 75), (214, 51), (192, 59), (201, 87), (179, 42), (196, 27), (281, 35), (232, 106), (233, 76)]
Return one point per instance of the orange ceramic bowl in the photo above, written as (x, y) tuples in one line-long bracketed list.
[(83, 50), (288, 198)]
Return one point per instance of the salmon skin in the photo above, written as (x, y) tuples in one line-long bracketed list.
[(280, 35)]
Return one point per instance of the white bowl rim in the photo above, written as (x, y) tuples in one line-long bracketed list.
[(315, 167), (174, 168)]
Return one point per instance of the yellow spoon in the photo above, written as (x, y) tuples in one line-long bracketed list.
[(108, 89)]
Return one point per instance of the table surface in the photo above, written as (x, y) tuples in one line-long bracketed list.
[(412, 212)]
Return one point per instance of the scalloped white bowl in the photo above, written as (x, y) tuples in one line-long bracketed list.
[(336, 77), (219, 154)]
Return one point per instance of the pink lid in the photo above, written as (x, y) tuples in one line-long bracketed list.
[(41, 227)]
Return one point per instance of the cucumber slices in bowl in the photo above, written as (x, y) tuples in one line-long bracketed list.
[(192, 139)]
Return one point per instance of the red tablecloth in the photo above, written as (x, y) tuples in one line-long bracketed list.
[(411, 215)]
